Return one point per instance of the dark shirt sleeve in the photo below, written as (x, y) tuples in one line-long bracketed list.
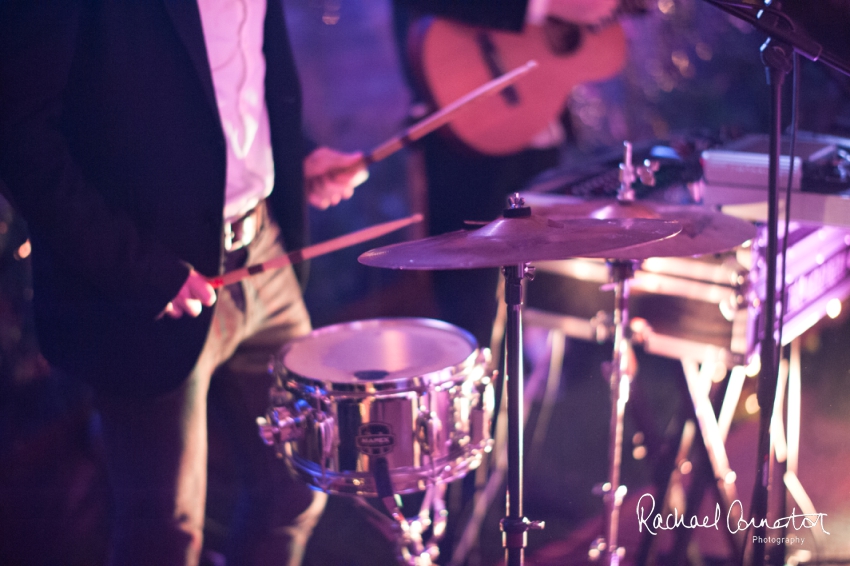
[(89, 240), (496, 14)]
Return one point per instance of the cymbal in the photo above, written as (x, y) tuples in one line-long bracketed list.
[(704, 231), (511, 241)]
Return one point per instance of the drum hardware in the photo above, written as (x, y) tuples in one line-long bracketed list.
[(348, 394), (513, 242), (731, 284), (634, 334), (494, 481), (629, 174), (703, 232), (285, 424), (515, 525), (414, 551), (380, 408), (628, 332), (620, 377), (526, 238), (622, 371)]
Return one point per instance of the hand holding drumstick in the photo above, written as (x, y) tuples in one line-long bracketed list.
[(330, 177), (199, 291)]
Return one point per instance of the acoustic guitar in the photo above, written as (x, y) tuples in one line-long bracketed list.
[(450, 59)]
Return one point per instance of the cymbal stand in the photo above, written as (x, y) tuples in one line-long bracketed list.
[(622, 271), (606, 546), (515, 525)]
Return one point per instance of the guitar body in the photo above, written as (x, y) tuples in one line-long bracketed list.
[(451, 59)]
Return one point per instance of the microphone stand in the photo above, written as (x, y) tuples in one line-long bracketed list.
[(778, 61), (784, 39)]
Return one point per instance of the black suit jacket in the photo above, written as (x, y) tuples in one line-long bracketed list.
[(112, 148)]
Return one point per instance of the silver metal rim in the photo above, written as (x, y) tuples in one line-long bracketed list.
[(430, 381)]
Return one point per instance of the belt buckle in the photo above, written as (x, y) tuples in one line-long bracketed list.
[(240, 233), (229, 237)]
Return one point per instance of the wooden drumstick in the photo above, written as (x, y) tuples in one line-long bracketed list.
[(434, 121), (315, 250)]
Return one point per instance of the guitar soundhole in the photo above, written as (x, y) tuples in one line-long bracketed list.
[(563, 37), (494, 64)]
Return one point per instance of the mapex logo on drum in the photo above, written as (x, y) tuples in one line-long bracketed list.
[(375, 439)]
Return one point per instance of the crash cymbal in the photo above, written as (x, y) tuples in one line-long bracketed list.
[(704, 231), (516, 240)]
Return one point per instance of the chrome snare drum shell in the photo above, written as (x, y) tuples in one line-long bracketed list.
[(413, 391)]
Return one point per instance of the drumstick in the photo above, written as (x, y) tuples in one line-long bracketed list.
[(444, 115), (315, 250), (435, 120)]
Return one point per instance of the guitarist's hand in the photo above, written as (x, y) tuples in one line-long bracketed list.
[(582, 11), (331, 176)]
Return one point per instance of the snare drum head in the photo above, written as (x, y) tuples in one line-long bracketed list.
[(387, 353)]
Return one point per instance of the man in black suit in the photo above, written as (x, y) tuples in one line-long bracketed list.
[(148, 145)]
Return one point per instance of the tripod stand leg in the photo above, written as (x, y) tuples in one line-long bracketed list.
[(698, 380), (556, 345), (792, 434), (666, 450)]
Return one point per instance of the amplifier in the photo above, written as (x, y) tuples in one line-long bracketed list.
[(745, 162), (735, 178)]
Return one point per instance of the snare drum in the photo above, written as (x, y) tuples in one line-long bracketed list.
[(411, 395)]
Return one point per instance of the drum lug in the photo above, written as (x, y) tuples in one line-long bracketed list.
[(426, 424), (268, 432), (325, 424), (481, 414), (284, 424)]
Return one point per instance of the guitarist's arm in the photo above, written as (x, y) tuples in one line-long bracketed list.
[(509, 15), (580, 11)]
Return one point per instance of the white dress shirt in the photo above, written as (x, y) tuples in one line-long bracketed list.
[(233, 32)]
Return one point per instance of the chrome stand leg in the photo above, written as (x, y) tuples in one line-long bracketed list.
[(622, 363)]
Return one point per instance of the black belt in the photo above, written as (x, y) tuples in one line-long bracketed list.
[(245, 229)]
